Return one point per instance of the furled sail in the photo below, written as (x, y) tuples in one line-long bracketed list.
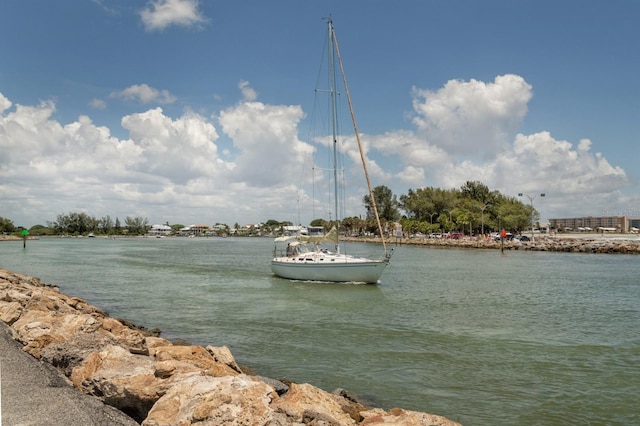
[(331, 236)]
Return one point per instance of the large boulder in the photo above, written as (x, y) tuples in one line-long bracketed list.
[(307, 404), (197, 357), (400, 417), (207, 400), (121, 379), (10, 312)]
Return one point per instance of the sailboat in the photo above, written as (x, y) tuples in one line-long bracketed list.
[(306, 257)]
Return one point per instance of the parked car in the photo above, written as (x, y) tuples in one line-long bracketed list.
[(523, 238)]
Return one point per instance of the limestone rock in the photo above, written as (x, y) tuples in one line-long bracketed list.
[(223, 355), (10, 312), (38, 329), (70, 353), (197, 356), (400, 417), (131, 338), (155, 342), (120, 379), (306, 403), (207, 400)]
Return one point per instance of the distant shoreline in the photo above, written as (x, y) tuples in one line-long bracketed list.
[(575, 243), (14, 238)]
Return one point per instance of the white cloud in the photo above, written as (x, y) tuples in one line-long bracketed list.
[(98, 104), (576, 181), (174, 169), (563, 169), (266, 137), (160, 14), (176, 150), (144, 94), (248, 94), (5, 103), (467, 118), (167, 169), (468, 131)]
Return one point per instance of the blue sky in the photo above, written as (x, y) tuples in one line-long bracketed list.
[(197, 112)]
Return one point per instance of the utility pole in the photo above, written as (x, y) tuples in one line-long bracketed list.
[(531, 198)]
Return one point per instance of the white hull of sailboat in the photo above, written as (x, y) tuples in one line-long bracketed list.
[(340, 268)]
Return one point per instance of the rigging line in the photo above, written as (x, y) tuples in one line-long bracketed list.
[(355, 128)]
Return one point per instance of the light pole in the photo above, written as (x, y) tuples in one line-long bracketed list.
[(482, 209), (531, 198), (431, 217)]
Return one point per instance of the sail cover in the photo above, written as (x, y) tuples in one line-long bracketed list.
[(331, 236)]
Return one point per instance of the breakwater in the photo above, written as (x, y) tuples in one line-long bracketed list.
[(585, 244), (157, 382)]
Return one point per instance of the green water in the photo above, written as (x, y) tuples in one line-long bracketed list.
[(479, 337)]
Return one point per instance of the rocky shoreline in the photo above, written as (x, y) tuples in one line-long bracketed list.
[(584, 244), (157, 382)]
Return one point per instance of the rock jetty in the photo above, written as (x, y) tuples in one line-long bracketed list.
[(156, 382), (557, 244)]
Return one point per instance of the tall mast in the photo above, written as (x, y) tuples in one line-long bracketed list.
[(334, 119), (355, 128)]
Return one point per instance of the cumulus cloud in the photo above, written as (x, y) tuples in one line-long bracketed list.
[(178, 150), (266, 137), (467, 130), (144, 94), (160, 14), (167, 169), (472, 117), (246, 163), (572, 170)]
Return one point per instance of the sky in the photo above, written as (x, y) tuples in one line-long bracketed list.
[(186, 111)]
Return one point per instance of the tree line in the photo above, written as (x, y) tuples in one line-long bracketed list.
[(82, 224), (473, 208)]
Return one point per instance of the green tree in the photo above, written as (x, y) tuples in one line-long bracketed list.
[(106, 225), (74, 223), (6, 225), (445, 220), (513, 215), (425, 203), (477, 191), (319, 222), (386, 203), (40, 230), (417, 204), (353, 226), (137, 225)]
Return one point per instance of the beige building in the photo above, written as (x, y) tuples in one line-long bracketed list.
[(621, 224)]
